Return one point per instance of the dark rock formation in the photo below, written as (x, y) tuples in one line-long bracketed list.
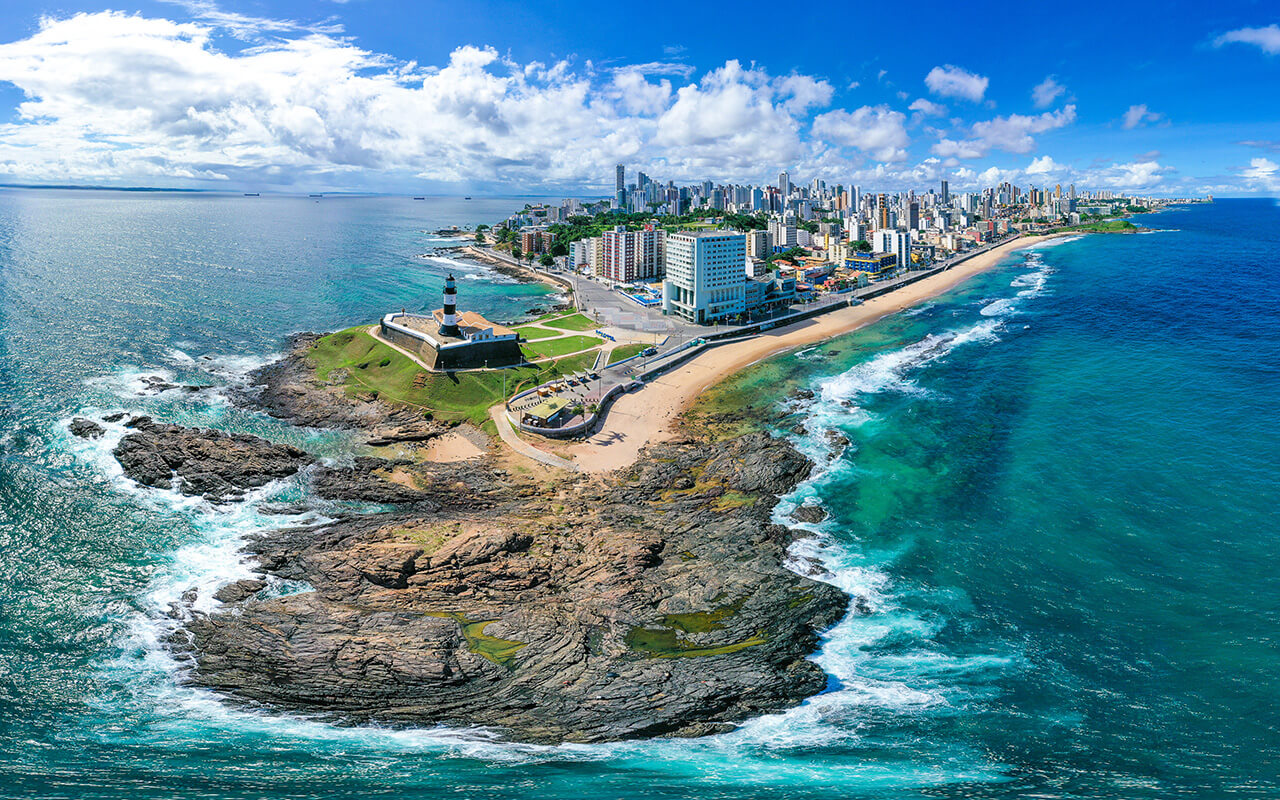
[(204, 462), (811, 514), (428, 486), (653, 604), (154, 384), (85, 428)]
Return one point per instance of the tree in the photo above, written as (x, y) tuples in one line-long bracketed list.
[(480, 237), (516, 252), (546, 260), (559, 249), (482, 227), (862, 246)]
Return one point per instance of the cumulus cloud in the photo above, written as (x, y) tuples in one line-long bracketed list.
[(1263, 173), (1268, 38), (1012, 134), (1046, 92), (115, 96), (928, 108), (1132, 176), (1137, 116), (952, 81), (876, 130), (1043, 166)]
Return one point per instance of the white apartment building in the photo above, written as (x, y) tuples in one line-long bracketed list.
[(893, 241), (582, 252), (706, 279), (758, 244), (781, 234)]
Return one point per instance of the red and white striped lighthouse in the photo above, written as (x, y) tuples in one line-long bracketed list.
[(449, 325)]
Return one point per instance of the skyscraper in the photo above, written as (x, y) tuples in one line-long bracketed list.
[(620, 187), (784, 184), (946, 193)]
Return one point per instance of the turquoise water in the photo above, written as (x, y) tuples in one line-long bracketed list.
[(1057, 501)]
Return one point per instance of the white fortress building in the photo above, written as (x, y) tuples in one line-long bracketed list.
[(706, 275), (448, 340)]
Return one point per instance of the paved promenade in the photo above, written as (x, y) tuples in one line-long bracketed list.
[(499, 415)]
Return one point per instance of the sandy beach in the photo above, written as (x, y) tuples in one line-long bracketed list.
[(644, 417)]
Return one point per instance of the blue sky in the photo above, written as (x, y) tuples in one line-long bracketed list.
[(1169, 98)]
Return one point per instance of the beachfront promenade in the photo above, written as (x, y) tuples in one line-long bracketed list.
[(641, 374)]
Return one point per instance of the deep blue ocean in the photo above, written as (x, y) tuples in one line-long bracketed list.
[(1058, 501)]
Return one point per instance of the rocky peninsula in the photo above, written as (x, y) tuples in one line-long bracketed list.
[(653, 601)]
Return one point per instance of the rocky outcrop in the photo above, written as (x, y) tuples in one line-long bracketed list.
[(655, 603), (85, 428), (809, 513), (197, 461)]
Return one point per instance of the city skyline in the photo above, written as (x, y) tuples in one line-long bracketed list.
[(497, 98)]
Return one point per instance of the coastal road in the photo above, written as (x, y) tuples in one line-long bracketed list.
[(522, 447)]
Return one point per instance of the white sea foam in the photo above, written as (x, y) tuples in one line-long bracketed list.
[(472, 270), (999, 308), (1048, 243), (917, 680)]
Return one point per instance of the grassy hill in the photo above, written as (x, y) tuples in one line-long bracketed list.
[(463, 396)]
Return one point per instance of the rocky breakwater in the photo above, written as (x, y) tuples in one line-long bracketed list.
[(654, 603)]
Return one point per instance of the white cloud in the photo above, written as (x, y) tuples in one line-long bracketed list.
[(1013, 134), (111, 96), (803, 92), (1134, 175), (730, 123), (1137, 116), (1043, 166), (639, 96), (1267, 38), (928, 108), (1263, 173), (952, 81), (659, 68), (1046, 92), (876, 130)]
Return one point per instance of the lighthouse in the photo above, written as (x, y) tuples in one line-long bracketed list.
[(449, 322)]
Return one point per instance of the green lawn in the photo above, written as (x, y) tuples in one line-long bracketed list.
[(464, 396), (574, 322), (532, 332), (625, 351), (1111, 226), (558, 347)]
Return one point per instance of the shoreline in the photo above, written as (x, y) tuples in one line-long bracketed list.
[(638, 419)]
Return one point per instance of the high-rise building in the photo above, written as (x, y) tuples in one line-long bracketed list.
[(782, 234), (631, 256), (758, 244), (784, 184), (706, 275), (946, 194), (896, 242), (582, 252), (620, 187), (913, 215), (882, 212)]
